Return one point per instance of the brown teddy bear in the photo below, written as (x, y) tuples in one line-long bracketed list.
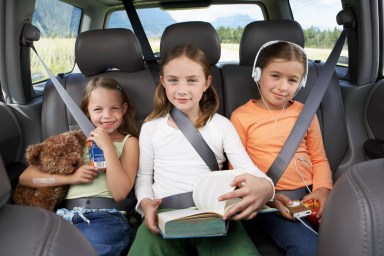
[(59, 154)]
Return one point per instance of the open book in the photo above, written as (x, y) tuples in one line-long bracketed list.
[(206, 219)]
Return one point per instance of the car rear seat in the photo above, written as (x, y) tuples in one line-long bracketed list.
[(374, 146), (203, 35), (33, 231), (114, 53), (239, 87), (11, 144), (353, 222)]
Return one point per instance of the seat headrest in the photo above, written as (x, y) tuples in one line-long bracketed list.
[(198, 33), (352, 223), (257, 33), (99, 50), (5, 185)]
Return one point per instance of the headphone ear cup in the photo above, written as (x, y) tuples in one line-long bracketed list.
[(303, 81), (257, 74)]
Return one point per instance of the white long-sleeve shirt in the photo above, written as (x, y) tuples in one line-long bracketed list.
[(170, 165)]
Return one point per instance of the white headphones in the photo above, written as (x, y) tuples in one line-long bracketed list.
[(256, 71)]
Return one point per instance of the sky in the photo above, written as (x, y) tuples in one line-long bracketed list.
[(318, 13)]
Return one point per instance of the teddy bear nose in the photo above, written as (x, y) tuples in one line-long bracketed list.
[(75, 163)]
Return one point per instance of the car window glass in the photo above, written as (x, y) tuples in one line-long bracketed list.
[(321, 31), (58, 23), (228, 20)]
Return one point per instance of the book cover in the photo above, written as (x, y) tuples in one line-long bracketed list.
[(206, 219)]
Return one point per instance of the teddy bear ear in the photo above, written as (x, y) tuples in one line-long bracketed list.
[(33, 154), (80, 136)]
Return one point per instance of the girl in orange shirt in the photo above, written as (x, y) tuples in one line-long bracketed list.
[(263, 124)]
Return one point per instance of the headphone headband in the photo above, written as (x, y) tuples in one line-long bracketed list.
[(256, 71)]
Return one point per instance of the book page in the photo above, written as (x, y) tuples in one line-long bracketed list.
[(207, 191)]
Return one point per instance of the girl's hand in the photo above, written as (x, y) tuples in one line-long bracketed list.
[(322, 195), (84, 174), (279, 202), (101, 138), (149, 207), (254, 191)]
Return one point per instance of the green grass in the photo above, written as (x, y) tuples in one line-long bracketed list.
[(57, 53)]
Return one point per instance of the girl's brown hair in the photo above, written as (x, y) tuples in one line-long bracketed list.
[(128, 125), (282, 50), (209, 102)]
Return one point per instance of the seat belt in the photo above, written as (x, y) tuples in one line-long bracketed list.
[(312, 103), (149, 56), (195, 138), (30, 34), (185, 200), (82, 120)]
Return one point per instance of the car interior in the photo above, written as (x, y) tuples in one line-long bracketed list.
[(350, 112)]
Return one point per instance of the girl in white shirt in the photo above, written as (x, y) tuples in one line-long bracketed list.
[(169, 165)]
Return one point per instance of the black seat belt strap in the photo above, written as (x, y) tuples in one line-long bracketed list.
[(142, 37), (311, 105), (195, 138), (185, 200)]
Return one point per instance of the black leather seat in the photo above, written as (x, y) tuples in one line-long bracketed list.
[(374, 146), (114, 53), (35, 231), (353, 221), (11, 144), (203, 35)]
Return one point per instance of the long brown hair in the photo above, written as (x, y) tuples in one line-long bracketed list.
[(209, 102), (128, 125)]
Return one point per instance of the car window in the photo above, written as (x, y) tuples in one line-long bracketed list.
[(228, 20), (58, 23), (321, 31)]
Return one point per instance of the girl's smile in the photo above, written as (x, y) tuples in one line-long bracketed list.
[(106, 125)]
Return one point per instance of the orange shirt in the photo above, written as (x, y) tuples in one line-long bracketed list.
[(263, 140)]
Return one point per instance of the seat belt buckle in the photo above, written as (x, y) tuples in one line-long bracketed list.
[(96, 157)]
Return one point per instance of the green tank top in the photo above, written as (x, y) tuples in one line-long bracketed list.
[(99, 185)]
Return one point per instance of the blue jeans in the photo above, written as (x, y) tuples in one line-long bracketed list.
[(292, 236), (108, 232)]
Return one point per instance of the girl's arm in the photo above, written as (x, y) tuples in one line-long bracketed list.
[(144, 179), (254, 186), (146, 205), (321, 171), (33, 177), (120, 173)]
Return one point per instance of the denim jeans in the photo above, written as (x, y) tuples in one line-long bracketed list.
[(291, 236), (108, 232)]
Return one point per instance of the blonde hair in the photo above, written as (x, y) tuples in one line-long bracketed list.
[(209, 102), (128, 125)]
